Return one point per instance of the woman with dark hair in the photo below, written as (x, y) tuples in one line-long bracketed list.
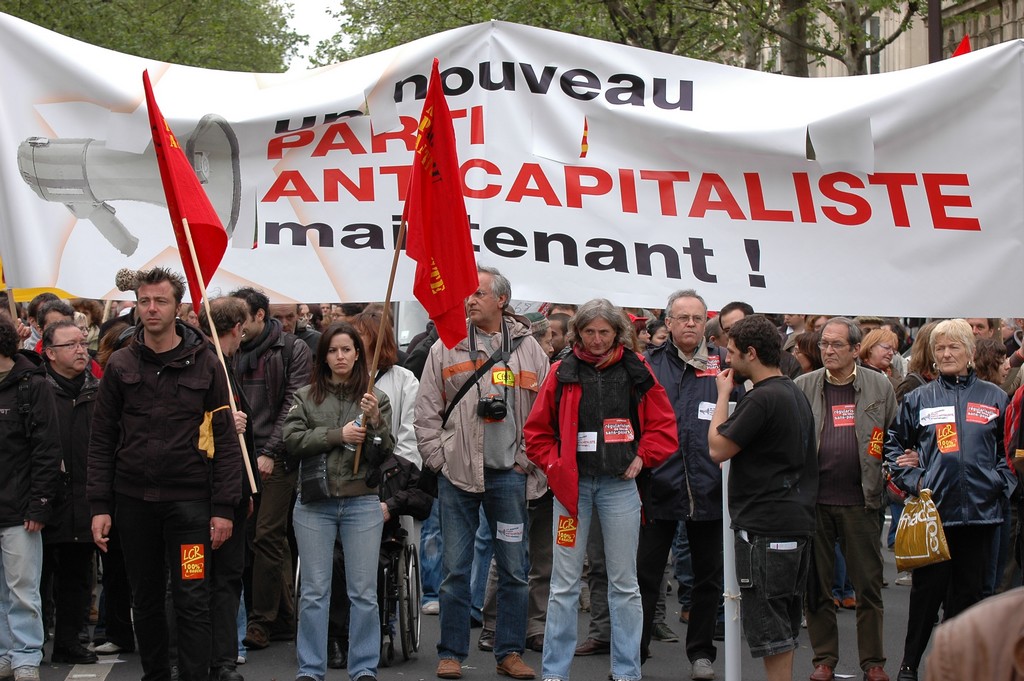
[(806, 351), (322, 429), (990, 361), (948, 437), (601, 417), (658, 332)]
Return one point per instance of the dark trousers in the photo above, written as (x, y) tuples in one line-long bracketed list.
[(154, 535), (272, 571), (117, 595), (958, 582), (70, 564), (705, 539), (226, 591)]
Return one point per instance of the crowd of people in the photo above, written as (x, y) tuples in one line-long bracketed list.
[(560, 460)]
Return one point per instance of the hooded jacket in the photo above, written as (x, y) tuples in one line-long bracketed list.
[(955, 423), (456, 449), (148, 421), (29, 461)]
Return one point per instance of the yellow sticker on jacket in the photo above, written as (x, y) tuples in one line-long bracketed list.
[(503, 376), (945, 433), (875, 445)]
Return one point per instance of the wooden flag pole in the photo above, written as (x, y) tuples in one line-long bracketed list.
[(10, 304), (220, 352), (399, 240)]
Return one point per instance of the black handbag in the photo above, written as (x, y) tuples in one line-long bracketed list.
[(313, 479)]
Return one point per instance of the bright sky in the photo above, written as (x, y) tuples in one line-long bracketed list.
[(310, 19)]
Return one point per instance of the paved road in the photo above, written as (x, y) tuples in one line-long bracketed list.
[(668, 660)]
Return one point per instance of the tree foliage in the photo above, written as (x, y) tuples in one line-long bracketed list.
[(235, 35), (671, 26)]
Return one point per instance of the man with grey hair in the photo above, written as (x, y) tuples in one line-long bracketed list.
[(472, 403), (688, 486), (852, 410)]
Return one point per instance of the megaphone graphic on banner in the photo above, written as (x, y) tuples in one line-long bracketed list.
[(85, 176)]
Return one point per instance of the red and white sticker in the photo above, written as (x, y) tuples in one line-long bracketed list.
[(842, 415), (618, 430), (713, 367), (981, 413), (946, 436)]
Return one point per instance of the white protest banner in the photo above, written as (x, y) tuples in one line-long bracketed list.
[(590, 169)]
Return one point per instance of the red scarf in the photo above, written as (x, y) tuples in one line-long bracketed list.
[(599, 361)]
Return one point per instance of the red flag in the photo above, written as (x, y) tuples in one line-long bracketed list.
[(438, 227), (964, 47), (186, 200)]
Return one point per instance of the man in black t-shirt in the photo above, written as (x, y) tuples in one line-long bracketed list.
[(773, 487)]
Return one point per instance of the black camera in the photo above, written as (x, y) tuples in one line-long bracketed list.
[(492, 407)]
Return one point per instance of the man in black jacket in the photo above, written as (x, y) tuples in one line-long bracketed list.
[(29, 467), (69, 551), (163, 445), (271, 365)]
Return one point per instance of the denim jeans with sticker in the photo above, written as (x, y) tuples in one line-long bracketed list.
[(504, 504)]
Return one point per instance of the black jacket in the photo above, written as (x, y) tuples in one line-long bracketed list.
[(149, 416), (29, 461), (956, 426), (72, 521)]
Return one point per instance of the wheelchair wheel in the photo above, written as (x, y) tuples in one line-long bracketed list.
[(403, 614), (387, 651), (411, 596)]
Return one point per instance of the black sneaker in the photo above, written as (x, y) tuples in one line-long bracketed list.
[(76, 654)]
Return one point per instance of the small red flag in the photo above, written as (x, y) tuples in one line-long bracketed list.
[(438, 227), (964, 47), (186, 200)]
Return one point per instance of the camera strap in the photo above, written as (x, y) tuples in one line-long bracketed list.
[(504, 353)]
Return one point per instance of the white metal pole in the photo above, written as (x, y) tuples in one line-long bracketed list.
[(733, 664)]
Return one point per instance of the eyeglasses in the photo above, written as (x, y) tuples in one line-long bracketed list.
[(886, 348), (835, 345), (687, 318), (77, 346)]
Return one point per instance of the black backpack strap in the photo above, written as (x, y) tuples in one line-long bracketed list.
[(25, 404), (477, 375)]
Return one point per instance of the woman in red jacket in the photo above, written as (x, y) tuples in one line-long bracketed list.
[(600, 418)]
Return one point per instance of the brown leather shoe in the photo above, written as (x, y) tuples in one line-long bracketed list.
[(535, 643), (593, 647), (876, 673), (513, 666), (256, 637), (447, 668), (823, 673)]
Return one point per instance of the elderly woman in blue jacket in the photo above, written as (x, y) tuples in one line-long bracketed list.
[(947, 437)]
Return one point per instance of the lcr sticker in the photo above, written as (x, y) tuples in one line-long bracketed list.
[(566, 535), (945, 433), (193, 561), (503, 376), (875, 444), (618, 430)]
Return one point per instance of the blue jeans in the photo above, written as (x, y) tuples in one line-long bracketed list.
[(617, 503), (841, 587), (431, 546), (483, 552), (683, 567), (21, 619), (357, 522), (504, 503)]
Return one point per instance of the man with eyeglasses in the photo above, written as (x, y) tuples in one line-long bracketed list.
[(67, 541), (688, 486), (852, 411)]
